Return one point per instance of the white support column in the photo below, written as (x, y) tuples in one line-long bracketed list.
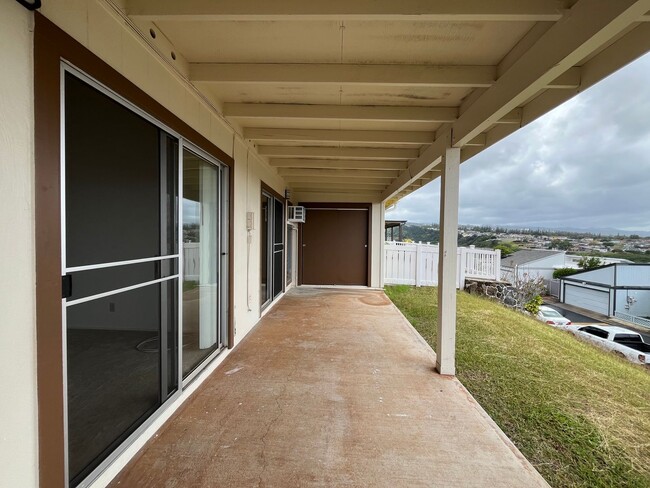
[(382, 244), (447, 262)]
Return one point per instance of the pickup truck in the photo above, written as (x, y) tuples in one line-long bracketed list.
[(619, 340)]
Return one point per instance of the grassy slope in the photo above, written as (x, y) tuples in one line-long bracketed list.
[(580, 415)]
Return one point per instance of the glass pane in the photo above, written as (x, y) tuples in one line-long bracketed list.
[(265, 222), (278, 272), (111, 151), (290, 245), (278, 247), (114, 370), (201, 257), (225, 253), (278, 228)]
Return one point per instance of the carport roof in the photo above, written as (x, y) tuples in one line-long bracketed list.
[(358, 100), (527, 256)]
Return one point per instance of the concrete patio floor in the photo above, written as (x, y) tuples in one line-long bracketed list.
[(332, 388)]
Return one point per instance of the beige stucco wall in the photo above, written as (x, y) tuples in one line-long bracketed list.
[(101, 28), (18, 411)]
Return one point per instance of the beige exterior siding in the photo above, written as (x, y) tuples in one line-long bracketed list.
[(18, 411)]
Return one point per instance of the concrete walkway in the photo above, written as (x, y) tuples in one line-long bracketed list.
[(333, 388)]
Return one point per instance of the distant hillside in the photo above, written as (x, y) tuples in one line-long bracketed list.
[(431, 233), (561, 231)]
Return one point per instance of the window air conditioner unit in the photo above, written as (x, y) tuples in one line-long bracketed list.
[(297, 215)]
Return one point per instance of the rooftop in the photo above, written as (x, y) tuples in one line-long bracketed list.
[(527, 256)]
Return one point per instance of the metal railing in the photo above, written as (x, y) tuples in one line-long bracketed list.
[(407, 263)]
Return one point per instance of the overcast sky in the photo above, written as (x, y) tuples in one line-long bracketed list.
[(586, 164)]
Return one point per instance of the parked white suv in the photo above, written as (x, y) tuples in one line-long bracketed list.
[(619, 340)]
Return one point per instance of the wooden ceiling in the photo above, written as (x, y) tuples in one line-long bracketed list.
[(357, 99)]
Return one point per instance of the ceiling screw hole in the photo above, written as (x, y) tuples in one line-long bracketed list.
[(153, 33), (173, 55)]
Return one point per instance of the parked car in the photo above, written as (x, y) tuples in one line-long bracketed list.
[(551, 316), (619, 340)]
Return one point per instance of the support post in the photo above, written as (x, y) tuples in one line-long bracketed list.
[(418, 264), (462, 267), (497, 265), (447, 262)]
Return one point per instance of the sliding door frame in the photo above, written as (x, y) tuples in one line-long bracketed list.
[(52, 46), (270, 249), (165, 396), (222, 251)]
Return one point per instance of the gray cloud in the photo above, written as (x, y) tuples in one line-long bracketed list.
[(585, 164)]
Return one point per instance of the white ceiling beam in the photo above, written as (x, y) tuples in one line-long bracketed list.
[(357, 136), (337, 185), (376, 184), (631, 46), (359, 74), (336, 173), (512, 117), (372, 153), (479, 140), (523, 45), (338, 164), (587, 26), (430, 10), (429, 158), (352, 112), (311, 195), (345, 74), (340, 112)]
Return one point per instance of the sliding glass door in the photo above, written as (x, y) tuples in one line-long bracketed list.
[(272, 244), (145, 265), (121, 272), (202, 251)]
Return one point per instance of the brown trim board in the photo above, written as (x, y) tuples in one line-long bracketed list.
[(271, 191), (51, 45), (364, 206)]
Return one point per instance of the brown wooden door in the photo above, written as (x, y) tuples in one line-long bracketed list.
[(335, 247)]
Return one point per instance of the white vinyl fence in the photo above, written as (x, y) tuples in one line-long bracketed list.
[(191, 261), (417, 264), (633, 319)]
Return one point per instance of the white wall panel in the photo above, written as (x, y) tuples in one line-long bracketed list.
[(18, 408)]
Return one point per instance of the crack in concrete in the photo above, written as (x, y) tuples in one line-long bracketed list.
[(260, 481)]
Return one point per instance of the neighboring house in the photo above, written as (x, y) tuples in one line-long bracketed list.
[(572, 260), (610, 290), (391, 226), (149, 153), (531, 262)]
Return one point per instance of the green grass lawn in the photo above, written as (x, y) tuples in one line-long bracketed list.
[(579, 414)]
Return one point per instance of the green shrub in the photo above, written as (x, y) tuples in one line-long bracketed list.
[(533, 304), (561, 272), (588, 263)]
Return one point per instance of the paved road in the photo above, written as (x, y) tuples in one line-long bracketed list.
[(578, 318)]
